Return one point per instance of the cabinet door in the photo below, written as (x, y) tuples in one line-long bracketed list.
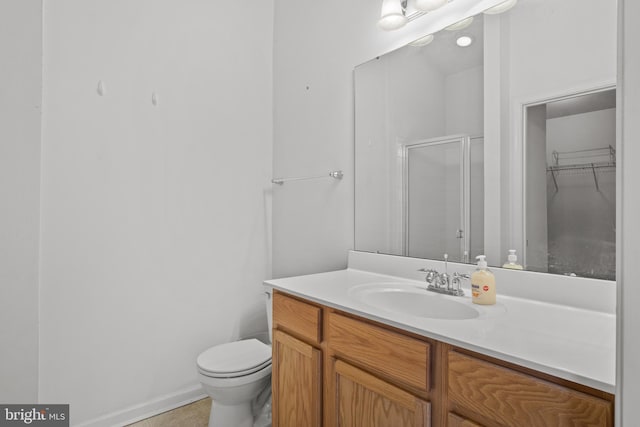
[(454, 420), (365, 401), (296, 382)]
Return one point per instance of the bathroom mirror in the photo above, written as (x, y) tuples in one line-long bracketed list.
[(455, 141)]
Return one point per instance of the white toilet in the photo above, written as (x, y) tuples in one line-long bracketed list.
[(237, 377)]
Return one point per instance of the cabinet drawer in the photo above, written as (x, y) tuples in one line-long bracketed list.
[(383, 351), (516, 399), (297, 317)]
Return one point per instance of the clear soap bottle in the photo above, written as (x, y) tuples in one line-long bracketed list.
[(512, 261)]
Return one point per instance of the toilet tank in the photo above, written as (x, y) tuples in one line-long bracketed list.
[(269, 302)]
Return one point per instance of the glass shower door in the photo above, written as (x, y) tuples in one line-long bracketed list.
[(434, 199)]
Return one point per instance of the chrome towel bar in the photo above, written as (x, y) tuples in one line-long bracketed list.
[(333, 174)]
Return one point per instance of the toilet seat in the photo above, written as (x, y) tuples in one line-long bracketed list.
[(234, 359)]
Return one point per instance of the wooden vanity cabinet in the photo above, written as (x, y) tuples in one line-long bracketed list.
[(296, 377), (334, 369)]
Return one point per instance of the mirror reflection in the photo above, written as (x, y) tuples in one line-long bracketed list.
[(492, 137), (571, 186)]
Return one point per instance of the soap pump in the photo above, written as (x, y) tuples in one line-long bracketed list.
[(512, 261), (483, 283)]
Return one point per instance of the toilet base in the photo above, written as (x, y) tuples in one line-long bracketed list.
[(230, 415)]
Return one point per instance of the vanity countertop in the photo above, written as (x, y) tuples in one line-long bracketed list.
[(572, 343)]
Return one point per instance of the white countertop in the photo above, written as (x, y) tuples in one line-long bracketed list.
[(568, 342)]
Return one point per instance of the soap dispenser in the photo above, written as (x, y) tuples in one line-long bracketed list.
[(483, 283), (512, 261)]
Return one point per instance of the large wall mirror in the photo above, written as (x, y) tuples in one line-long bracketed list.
[(496, 136)]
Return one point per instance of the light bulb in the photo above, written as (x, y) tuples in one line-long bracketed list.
[(422, 41), (501, 7), (460, 24), (392, 22), (429, 5), (392, 15)]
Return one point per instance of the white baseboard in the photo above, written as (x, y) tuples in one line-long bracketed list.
[(148, 409)]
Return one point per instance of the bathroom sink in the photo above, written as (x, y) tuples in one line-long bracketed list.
[(413, 300)]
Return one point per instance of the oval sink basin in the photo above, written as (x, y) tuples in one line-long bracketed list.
[(413, 300)]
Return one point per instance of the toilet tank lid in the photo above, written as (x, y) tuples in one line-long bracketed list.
[(235, 356)]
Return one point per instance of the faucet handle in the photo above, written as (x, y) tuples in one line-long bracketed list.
[(431, 275), (445, 281), (457, 281)]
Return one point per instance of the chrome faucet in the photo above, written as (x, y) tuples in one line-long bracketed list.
[(443, 283)]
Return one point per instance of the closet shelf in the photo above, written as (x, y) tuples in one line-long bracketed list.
[(605, 157)]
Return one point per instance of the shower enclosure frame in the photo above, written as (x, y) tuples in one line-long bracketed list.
[(463, 233)]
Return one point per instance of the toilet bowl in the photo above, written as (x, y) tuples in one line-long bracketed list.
[(236, 375)]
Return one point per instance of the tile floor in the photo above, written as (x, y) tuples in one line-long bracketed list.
[(195, 414)]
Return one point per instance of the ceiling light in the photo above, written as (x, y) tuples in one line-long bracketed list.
[(429, 5), (392, 15), (422, 41), (464, 41), (460, 24), (501, 7)]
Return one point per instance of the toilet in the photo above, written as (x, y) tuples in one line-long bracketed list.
[(237, 377)]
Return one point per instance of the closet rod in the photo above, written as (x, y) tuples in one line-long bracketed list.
[(333, 174)]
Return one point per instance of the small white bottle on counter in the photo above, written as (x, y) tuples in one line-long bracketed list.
[(512, 261)]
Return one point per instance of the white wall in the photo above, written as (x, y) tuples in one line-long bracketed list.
[(464, 102), (20, 105), (317, 45), (628, 234), (155, 219), (594, 129), (537, 248)]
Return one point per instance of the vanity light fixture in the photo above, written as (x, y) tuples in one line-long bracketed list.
[(460, 25), (422, 41), (464, 41), (501, 7), (429, 5), (392, 16)]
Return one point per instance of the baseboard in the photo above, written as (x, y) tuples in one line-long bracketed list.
[(148, 409)]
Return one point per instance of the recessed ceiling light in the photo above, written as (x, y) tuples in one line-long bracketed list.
[(464, 41)]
